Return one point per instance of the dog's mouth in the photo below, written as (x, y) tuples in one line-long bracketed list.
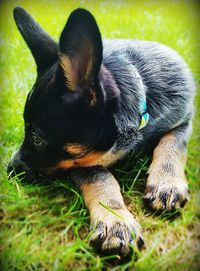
[(20, 170), (27, 175)]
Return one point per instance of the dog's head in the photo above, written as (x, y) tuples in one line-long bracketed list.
[(68, 114)]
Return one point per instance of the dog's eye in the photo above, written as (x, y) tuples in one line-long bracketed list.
[(37, 140)]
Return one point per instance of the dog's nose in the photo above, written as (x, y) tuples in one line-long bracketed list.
[(16, 165)]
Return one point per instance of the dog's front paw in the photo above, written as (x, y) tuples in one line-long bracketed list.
[(113, 234), (167, 194)]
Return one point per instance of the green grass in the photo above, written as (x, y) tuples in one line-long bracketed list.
[(45, 226)]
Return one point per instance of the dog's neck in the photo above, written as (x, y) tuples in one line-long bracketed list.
[(121, 81), (125, 85)]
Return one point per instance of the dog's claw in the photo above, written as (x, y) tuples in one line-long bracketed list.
[(182, 204), (114, 236), (173, 204), (140, 243), (166, 197)]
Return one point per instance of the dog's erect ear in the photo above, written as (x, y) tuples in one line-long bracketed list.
[(42, 46), (80, 50)]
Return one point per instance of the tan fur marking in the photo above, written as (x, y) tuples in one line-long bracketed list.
[(87, 160), (108, 193), (91, 159), (88, 71), (87, 61), (93, 100), (101, 191), (75, 149), (167, 153), (69, 73), (110, 158), (166, 173), (104, 192)]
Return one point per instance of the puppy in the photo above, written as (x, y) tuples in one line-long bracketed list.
[(94, 101)]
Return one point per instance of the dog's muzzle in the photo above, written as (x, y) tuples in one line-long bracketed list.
[(16, 165)]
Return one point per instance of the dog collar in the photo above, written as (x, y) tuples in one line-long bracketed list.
[(144, 114)]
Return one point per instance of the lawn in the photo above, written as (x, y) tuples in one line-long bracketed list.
[(45, 226)]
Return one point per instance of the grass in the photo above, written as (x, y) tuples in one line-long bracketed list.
[(45, 226)]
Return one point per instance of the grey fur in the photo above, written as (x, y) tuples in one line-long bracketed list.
[(158, 71)]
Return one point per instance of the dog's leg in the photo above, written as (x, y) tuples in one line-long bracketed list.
[(113, 225), (167, 186)]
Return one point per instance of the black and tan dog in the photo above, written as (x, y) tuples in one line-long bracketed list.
[(95, 101)]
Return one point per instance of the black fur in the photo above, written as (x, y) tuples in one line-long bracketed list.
[(88, 93), (123, 71), (42, 46)]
